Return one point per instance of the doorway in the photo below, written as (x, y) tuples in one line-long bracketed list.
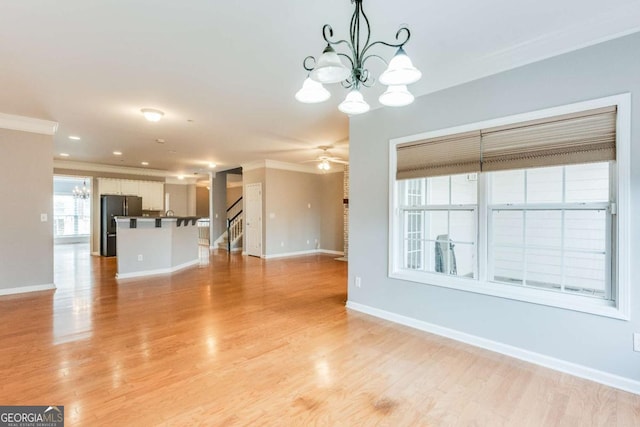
[(253, 217)]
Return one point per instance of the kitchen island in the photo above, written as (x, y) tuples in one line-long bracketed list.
[(148, 246)]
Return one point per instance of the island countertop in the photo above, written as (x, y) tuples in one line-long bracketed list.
[(155, 245)]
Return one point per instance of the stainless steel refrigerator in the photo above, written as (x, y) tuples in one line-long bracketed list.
[(110, 207)]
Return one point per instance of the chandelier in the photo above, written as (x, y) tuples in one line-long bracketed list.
[(329, 68), (82, 193)]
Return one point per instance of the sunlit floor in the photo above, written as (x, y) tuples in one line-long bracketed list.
[(243, 341)]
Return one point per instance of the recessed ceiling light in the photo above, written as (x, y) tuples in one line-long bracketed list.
[(117, 153), (151, 114), (64, 154), (75, 138), (180, 176), (212, 165), (160, 141), (144, 163)]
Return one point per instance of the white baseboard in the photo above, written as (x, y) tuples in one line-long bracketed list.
[(300, 253), (95, 253), (581, 371), (327, 251), (25, 289), (157, 271)]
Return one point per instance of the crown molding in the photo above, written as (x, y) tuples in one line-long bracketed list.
[(96, 167), (183, 181), (27, 124), (275, 164)]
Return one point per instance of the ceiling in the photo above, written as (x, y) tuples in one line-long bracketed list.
[(225, 73)]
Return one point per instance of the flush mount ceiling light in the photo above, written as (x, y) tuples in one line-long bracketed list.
[(324, 165), (152, 115), (329, 67), (212, 165), (74, 138)]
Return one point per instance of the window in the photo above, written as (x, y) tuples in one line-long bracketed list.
[(71, 216), (546, 223)]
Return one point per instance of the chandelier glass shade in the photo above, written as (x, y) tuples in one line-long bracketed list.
[(312, 92), (81, 193), (396, 96), (330, 66), (354, 103)]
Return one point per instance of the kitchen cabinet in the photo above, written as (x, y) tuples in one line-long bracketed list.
[(152, 192), (109, 186), (129, 187)]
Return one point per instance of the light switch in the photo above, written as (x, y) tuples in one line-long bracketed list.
[(43, 217)]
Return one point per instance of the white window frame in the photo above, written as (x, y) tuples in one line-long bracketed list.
[(618, 309)]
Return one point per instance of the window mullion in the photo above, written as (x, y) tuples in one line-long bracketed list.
[(482, 228)]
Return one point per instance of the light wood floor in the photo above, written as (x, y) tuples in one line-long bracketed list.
[(244, 341)]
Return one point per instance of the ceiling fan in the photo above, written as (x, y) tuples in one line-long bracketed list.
[(325, 159)]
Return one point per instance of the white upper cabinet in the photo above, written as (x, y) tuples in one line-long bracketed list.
[(129, 187), (152, 193), (109, 186)]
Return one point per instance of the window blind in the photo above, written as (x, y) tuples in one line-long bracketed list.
[(447, 155), (582, 137)]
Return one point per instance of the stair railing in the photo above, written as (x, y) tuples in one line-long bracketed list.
[(234, 222)]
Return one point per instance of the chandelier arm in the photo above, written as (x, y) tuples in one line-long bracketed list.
[(366, 58), (366, 78), (328, 30), (348, 57), (366, 20), (403, 30), (307, 67)]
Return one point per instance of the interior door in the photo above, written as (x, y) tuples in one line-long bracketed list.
[(253, 219)]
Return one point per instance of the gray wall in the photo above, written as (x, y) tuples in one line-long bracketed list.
[(598, 342), (26, 243), (219, 214), (178, 198), (202, 202), (288, 222), (331, 212), (233, 194), (293, 209)]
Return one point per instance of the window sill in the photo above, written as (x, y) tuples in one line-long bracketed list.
[(584, 304)]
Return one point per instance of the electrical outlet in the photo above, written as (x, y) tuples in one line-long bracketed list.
[(43, 217), (636, 341), (358, 282), (140, 257)]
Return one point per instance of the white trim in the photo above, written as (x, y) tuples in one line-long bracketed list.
[(95, 253), (301, 253), (330, 252), (25, 289), (290, 254), (275, 164), (27, 124), (184, 181), (553, 299), (157, 272), (95, 167), (581, 371)]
